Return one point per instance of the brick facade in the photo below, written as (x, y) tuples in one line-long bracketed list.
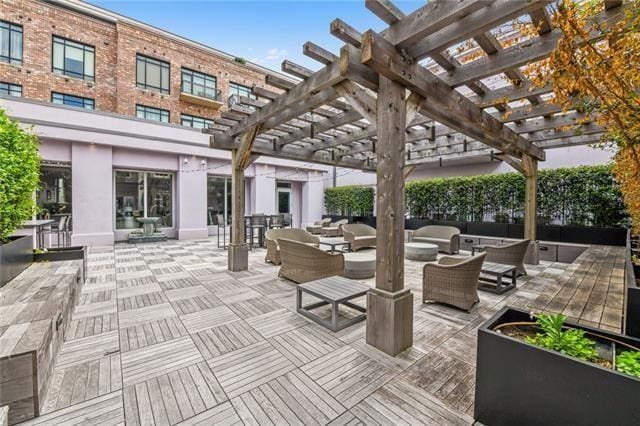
[(116, 45)]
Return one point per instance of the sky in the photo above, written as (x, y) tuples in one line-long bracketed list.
[(262, 31)]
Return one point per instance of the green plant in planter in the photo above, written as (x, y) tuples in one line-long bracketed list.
[(570, 342), (19, 175), (628, 362)]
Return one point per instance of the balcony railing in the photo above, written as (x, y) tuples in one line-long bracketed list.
[(201, 93)]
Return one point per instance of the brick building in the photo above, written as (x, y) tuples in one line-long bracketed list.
[(118, 106)]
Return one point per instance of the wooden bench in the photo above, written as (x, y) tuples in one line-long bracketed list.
[(35, 310)]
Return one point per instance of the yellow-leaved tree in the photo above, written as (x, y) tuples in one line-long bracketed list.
[(595, 69)]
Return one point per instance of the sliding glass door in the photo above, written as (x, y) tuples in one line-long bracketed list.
[(143, 194)]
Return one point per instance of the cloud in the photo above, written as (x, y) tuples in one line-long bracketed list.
[(273, 54)]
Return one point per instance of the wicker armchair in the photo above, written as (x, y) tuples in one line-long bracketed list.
[(334, 229), (509, 254), (447, 238), (453, 281), (359, 235), (302, 263), (318, 224), (272, 236)]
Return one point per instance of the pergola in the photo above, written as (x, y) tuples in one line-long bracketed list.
[(398, 98)]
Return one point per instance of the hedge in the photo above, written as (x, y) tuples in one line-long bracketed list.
[(349, 200), (19, 175), (586, 195)]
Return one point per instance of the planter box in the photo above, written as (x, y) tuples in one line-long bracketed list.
[(64, 253), (519, 383), (15, 257)]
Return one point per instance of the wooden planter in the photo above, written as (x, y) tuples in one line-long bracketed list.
[(519, 383), (64, 253)]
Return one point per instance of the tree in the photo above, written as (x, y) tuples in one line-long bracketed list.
[(19, 175), (595, 69)]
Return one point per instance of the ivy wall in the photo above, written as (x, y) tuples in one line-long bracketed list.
[(585, 195), (349, 200)]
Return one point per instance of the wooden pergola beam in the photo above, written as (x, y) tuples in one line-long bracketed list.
[(359, 99), (443, 103), (384, 10), (318, 53)]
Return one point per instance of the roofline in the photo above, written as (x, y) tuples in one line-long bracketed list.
[(107, 15)]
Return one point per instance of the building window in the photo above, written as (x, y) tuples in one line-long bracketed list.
[(9, 89), (10, 43), (218, 200), (73, 59), (143, 194), (283, 197), (54, 195), (240, 90), (199, 84), (70, 100), (195, 122), (152, 74), (153, 114)]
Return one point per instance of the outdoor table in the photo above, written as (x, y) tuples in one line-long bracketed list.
[(498, 270), (38, 226), (332, 291), (334, 244)]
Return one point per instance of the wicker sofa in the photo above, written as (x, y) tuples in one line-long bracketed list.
[(272, 236), (447, 238), (453, 280), (302, 262), (359, 235), (317, 225), (334, 229), (509, 254)]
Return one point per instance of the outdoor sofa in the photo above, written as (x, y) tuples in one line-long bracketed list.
[(453, 280), (302, 262), (447, 238), (317, 225), (509, 254), (273, 235), (359, 235), (334, 229)]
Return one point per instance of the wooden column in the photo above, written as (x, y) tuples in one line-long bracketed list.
[(390, 305), (530, 171), (238, 256)]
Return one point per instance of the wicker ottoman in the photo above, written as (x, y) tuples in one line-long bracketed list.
[(420, 251), (359, 265)]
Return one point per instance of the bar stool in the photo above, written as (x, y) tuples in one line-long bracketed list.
[(257, 223)]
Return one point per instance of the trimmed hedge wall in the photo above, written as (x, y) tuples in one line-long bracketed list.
[(349, 200), (586, 195)]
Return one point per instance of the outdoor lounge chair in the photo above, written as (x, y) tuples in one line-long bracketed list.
[(272, 236), (318, 224), (334, 229), (302, 263), (359, 235), (509, 254), (453, 280), (447, 238)]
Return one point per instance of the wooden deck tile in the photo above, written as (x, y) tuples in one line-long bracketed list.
[(253, 307), (87, 349), (150, 313), (208, 318), (90, 326), (247, 368), (348, 375), (220, 340), (150, 333), (223, 415), (276, 322), (152, 361), (104, 410), (305, 344)]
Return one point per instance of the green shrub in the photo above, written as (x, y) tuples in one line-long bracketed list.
[(349, 200), (570, 342), (19, 175), (628, 362), (586, 195)]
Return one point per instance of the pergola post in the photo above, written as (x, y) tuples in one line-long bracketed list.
[(530, 171), (238, 251), (390, 305)]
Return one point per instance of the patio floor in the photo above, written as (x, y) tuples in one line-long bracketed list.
[(165, 334)]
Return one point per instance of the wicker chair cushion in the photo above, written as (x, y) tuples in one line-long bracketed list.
[(436, 231), (359, 230)]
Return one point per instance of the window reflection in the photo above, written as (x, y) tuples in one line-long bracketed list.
[(143, 194), (218, 200), (54, 196)]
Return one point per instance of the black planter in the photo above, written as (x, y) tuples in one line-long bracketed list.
[(64, 253), (519, 383), (15, 257)]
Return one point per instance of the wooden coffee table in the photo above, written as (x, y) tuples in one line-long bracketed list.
[(498, 270), (332, 291)]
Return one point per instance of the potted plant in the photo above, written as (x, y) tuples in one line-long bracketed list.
[(635, 261), (19, 177), (543, 370)]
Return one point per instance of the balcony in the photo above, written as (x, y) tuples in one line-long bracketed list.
[(198, 96)]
